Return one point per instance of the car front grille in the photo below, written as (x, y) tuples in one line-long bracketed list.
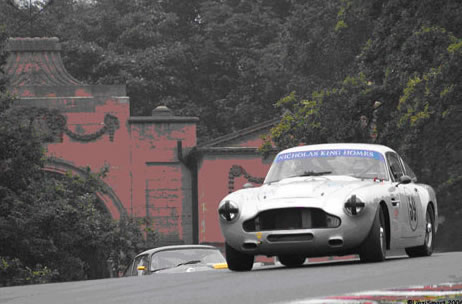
[(290, 237), (290, 219)]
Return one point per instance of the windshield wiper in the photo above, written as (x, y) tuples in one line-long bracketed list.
[(312, 173), (159, 269), (178, 265), (188, 263)]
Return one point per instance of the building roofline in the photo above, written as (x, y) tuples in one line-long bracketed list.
[(166, 119), (243, 132), (33, 44), (226, 150)]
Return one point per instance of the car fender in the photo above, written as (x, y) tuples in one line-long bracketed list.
[(427, 195), (375, 196)]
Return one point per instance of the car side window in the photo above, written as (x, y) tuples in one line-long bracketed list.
[(409, 171), (395, 167), (128, 270)]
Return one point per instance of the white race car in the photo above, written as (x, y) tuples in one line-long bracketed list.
[(330, 199)]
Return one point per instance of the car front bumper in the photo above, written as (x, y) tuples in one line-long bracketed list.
[(344, 239)]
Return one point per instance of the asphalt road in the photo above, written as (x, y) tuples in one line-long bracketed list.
[(269, 284)]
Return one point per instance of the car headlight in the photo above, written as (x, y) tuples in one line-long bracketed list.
[(228, 211), (354, 205)]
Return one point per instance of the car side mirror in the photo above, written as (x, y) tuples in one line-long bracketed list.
[(247, 185), (404, 179)]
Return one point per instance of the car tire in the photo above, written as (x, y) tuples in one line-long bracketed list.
[(427, 248), (374, 246), (238, 261), (291, 260)]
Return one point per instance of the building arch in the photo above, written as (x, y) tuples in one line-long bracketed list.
[(109, 198)]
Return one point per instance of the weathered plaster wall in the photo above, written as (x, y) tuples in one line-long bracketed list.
[(146, 178), (213, 185), (100, 152), (161, 186), (146, 156)]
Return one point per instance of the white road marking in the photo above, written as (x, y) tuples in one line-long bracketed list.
[(407, 293), (373, 296)]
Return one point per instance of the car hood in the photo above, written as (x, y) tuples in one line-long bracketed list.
[(322, 187), (311, 187), (187, 268)]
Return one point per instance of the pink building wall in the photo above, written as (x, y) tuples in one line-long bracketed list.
[(224, 165), (156, 148), (156, 169), (146, 179), (213, 186)]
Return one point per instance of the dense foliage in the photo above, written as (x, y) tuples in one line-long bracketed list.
[(227, 61), (405, 92)]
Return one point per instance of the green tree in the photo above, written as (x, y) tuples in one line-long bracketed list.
[(237, 71), (410, 67), (227, 62), (21, 158), (429, 116)]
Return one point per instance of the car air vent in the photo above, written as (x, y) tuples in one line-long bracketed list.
[(291, 219), (249, 246), (335, 242)]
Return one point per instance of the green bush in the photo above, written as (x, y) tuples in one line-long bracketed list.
[(13, 272)]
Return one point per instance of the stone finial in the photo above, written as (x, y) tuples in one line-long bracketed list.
[(162, 111)]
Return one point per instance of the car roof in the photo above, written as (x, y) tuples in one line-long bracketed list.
[(176, 247), (375, 147)]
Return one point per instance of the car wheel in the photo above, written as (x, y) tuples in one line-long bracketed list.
[(374, 246), (291, 260), (238, 261), (427, 248)]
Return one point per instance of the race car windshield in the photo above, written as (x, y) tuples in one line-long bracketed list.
[(362, 164), (176, 257)]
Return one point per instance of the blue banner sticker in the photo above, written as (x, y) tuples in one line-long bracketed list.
[(329, 153)]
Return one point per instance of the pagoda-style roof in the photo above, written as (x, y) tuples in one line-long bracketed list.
[(38, 77), (232, 138), (37, 62)]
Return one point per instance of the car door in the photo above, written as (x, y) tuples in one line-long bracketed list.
[(400, 201), (415, 206)]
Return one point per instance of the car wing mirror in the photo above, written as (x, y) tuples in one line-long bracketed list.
[(404, 179), (247, 185)]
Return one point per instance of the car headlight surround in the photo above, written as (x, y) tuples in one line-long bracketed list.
[(229, 211), (354, 205), (332, 221)]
